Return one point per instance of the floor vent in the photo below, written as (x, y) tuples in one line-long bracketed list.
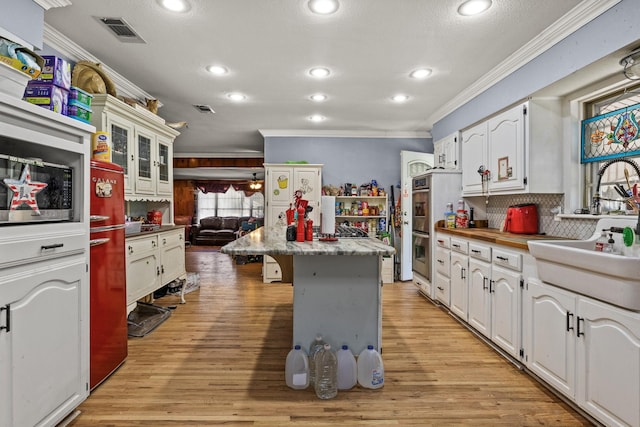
[(121, 29), (205, 109)]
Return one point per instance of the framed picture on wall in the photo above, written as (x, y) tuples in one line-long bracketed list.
[(503, 168)]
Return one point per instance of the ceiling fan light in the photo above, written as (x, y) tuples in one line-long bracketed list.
[(473, 7)]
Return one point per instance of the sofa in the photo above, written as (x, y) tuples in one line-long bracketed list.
[(218, 231)]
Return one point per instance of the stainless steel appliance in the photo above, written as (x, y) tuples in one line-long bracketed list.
[(32, 190), (430, 195)]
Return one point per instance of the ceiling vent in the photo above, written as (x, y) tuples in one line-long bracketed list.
[(121, 29), (205, 109)]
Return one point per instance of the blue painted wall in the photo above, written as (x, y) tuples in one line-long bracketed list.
[(353, 160), (613, 30), (23, 18)]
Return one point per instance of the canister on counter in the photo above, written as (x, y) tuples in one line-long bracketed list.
[(462, 219), (101, 146)]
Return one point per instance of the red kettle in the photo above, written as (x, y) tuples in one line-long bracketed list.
[(522, 219)]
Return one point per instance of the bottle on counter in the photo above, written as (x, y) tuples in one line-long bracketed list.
[(472, 223), (347, 369), (296, 369), (449, 216), (609, 246), (602, 241)]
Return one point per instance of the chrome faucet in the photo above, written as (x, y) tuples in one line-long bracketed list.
[(596, 207)]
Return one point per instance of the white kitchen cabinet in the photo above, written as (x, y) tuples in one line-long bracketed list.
[(44, 280), (446, 152), (520, 149), (505, 309), (442, 282), (479, 307), (281, 183), (153, 260), (143, 145), (43, 325), (459, 286), (586, 349)]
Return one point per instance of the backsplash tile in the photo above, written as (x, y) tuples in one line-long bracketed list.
[(571, 228)]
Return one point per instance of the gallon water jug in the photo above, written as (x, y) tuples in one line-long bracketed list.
[(370, 368), (347, 369), (296, 369), (316, 345), (326, 382)]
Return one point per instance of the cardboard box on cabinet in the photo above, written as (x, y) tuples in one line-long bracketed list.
[(57, 71)]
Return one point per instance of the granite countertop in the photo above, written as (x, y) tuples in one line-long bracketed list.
[(272, 241), (494, 235)]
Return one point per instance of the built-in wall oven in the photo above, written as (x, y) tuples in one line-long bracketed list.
[(421, 220)]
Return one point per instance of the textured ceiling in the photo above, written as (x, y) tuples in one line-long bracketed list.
[(269, 45)]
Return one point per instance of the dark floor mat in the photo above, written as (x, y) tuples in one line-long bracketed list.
[(145, 318)]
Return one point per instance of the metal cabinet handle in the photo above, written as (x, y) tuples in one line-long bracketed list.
[(157, 271), (130, 248), (484, 283), (164, 242), (475, 251), (569, 316), (162, 269), (578, 333), (54, 246), (501, 258), (462, 273), (456, 246), (6, 308), (440, 261), (440, 288), (491, 287), (153, 243)]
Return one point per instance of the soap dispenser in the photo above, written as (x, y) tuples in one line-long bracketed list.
[(609, 246)]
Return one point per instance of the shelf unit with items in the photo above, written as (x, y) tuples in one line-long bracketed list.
[(142, 144), (367, 212), (44, 273)]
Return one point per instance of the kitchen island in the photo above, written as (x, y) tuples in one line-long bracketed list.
[(336, 285)]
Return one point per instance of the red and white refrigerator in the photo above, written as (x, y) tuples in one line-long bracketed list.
[(108, 291)]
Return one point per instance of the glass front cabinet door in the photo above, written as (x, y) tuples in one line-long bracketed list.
[(145, 153), (122, 151)]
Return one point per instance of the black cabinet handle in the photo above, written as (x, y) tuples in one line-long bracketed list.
[(456, 246), (157, 271), (440, 261), (6, 308), (475, 251), (491, 287), (462, 273), (130, 249), (484, 283), (440, 288), (501, 258), (569, 316), (54, 246), (578, 333)]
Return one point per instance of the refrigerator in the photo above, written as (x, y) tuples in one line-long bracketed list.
[(108, 292)]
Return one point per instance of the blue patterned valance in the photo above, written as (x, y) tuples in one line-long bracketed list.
[(611, 135)]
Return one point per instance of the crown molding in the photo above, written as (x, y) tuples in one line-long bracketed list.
[(342, 133), (48, 4), (69, 49), (583, 13)]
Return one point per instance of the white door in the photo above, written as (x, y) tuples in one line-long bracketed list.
[(412, 164)]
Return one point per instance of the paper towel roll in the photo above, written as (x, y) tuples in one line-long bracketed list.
[(328, 215)]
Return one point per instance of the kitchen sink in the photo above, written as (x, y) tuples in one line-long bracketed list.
[(576, 266)]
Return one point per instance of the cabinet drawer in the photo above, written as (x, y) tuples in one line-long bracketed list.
[(480, 252), (511, 260), (170, 238), (458, 245), (141, 245), (443, 261), (34, 248), (443, 241)]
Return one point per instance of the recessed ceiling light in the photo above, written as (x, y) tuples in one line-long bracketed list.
[(319, 72), (317, 118), (420, 73), (235, 96), (175, 5), (218, 70), (399, 98), (323, 7), (473, 7), (318, 97)]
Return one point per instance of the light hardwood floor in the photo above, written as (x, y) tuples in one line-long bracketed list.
[(219, 360)]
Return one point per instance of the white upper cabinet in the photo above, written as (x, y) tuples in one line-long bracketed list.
[(446, 152), (521, 149)]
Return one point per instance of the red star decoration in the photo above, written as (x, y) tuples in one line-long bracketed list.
[(24, 190)]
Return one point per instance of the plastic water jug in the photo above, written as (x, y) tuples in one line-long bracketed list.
[(296, 369), (347, 368), (316, 345), (326, 383), (370, 368)]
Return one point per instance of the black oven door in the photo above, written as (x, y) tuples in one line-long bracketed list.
[(420, 257)]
